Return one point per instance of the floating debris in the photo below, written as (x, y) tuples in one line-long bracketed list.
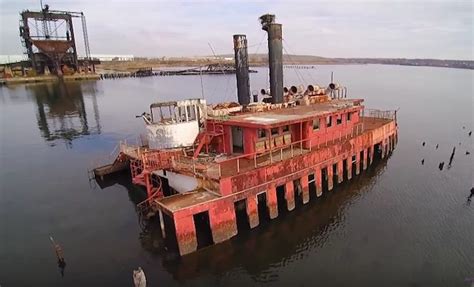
[(441, 165), (59, 255), (423, 144), (471, 195), (422, 161), (139, 279), (452, 157), (437, 146)]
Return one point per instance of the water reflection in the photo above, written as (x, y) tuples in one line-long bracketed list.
[(62, 112)]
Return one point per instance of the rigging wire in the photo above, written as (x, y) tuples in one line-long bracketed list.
[(256, 52), (298, 75), (308, 72), (226, 95)]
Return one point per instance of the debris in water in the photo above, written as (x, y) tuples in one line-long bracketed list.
[(470, 133), (59, 255), (441, 165), (423, 144), (139, 279), (451, 158), (471, 195), (422, 161), (437, 145), (468, 153)]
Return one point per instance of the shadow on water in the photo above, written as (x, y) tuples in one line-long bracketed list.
[(61, 111)]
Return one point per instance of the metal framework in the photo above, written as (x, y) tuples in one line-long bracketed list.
[(49, 39)]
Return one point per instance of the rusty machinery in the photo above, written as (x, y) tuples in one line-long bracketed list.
[(48, 36)]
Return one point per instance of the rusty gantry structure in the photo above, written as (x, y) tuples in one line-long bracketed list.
[(50, 42), (206, 167)]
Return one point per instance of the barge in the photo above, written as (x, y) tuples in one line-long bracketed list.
[(202, 165)]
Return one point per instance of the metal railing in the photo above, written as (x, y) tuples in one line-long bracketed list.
[(379, 114), (235, 165)]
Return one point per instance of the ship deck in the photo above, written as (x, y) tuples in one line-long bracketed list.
[(289, 115), (183, 200)]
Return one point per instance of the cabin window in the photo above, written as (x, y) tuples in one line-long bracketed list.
[(191, 113), (165, 113), (349, 116), (274, 131), (286, 129), (328, 121), (315, 124), (182, 114), (339, 119), (261, 133)]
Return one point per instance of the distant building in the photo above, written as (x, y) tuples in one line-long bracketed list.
[(104, 57), (6, 59)]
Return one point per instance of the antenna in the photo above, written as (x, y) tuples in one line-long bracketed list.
[(332, 77)]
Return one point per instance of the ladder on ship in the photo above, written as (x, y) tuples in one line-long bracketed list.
[(206, 136)]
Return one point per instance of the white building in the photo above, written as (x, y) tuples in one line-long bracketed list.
[(104, 57), (5, 59)]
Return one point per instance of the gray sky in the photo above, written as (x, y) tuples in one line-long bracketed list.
[(409, 29)]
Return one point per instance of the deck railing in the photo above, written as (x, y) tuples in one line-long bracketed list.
[(379, 114), (236, 164)]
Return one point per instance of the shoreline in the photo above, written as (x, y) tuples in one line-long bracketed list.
[(127, 66)]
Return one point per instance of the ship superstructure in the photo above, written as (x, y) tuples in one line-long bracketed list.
[(205, 164)]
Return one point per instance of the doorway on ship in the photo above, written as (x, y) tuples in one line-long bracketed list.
[(237, 140), (354, 165), (345, 174), (378, 151), (334, 174), (281, 200), (324, 179), (263, 212), (312, 186), (241, 216), (298, 190), (203, 229), (171, 242)]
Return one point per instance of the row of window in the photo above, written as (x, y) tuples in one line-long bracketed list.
[(316, 122), (261, 133), (275, 131)]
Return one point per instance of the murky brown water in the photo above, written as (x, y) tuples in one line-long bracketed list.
[(400, 223)]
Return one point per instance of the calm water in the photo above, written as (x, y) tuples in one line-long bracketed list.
[(400, 223)]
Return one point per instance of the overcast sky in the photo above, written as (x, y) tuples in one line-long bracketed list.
[(410, 29)]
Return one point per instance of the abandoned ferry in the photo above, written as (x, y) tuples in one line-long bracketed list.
[(210, 162)]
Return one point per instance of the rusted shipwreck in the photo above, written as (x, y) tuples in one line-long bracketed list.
[(208, 163)]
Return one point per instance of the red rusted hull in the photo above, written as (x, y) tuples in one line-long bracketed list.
[(292, 173)]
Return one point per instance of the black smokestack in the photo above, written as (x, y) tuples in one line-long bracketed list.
[(242, 69), (275, 56)]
